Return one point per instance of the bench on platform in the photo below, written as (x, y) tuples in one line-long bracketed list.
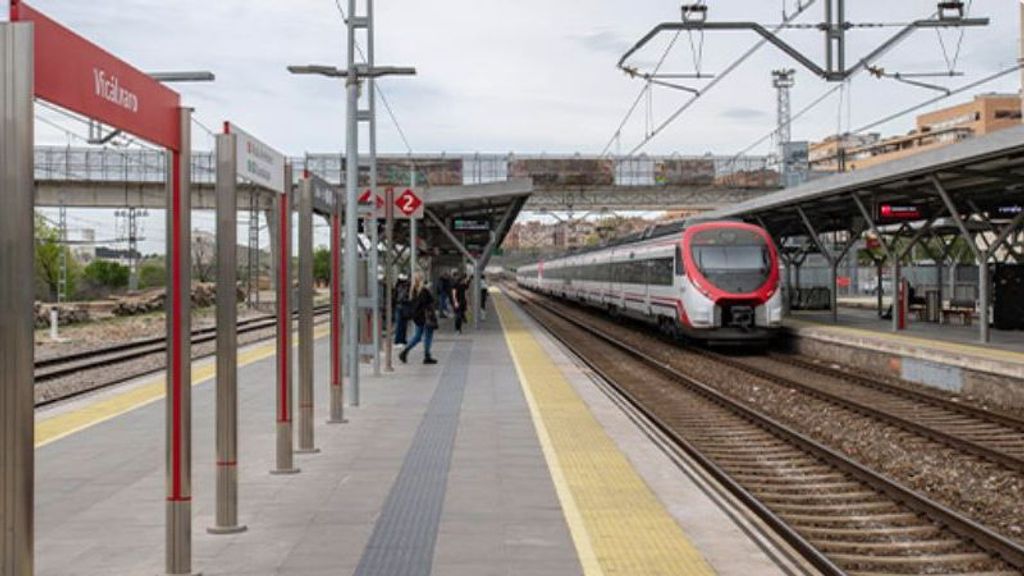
[(963, 310)]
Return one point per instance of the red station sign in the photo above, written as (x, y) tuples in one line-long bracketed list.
[(76, 74)]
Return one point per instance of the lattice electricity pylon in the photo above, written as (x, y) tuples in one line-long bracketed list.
[(783, 81), (949, 14)]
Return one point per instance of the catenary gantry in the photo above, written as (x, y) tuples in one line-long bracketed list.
[(975, 188)]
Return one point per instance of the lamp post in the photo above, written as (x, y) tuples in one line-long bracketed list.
[(353, 75)]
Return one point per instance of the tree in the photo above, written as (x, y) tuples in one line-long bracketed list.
[(322, 265), (48, 252), (152, 274), (106, 274)]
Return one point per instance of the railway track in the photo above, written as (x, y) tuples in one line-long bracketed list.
[(994, 436), (843, 517), (56, 368)]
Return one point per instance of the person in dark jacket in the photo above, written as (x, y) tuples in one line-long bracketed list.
[(444, 288), (424, 316), (460, 288), (403, 310)]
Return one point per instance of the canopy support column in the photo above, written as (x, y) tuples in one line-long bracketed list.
[(980, 256)]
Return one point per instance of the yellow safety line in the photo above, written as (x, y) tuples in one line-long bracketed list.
[(63, 425), (956, 347), (617, 524)]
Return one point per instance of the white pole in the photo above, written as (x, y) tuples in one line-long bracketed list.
[(413, 224), (352, 211)]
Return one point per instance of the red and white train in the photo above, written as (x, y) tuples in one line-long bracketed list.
[(711, 280)]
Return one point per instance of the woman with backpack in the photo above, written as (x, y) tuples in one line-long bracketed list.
[(424, 316)]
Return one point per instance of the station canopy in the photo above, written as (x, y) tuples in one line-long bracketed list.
[(477, 216), (981, 175)]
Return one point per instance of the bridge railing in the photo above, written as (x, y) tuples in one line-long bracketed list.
[(56, 163)]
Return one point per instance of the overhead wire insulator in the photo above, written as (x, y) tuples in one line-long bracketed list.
[(694, 12), (951, 10)]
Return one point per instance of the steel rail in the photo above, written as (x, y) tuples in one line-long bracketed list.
[(949, 439), (254, 325), (995, 416)]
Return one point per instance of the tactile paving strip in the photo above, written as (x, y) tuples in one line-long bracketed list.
[(618, 525), (402, 543)]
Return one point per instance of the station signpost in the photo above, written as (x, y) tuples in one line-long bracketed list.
[(285, 409), (327, 199), (238, 155), (43, 59), (311, 193)]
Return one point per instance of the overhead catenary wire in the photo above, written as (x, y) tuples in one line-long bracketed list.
[(640, 95), (717, 79), (940, 98), (814, 103)]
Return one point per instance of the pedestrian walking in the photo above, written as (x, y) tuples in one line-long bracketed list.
[(403, 309), (424, 316), (483, 298)]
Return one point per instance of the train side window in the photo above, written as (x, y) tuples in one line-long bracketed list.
[(680, 268)]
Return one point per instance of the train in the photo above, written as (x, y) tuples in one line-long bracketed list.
[(711, 280)]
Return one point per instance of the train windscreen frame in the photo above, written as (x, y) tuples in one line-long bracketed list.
[(735, 260)]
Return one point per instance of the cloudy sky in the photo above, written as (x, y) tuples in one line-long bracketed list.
[(524, 75)]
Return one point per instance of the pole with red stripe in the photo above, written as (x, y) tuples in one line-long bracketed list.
[(285, 447)]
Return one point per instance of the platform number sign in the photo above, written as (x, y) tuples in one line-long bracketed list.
[(408, 204)]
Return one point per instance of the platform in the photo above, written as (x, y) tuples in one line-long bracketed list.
[(943, 356), (502, 459)]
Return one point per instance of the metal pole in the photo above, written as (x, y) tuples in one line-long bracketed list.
[(227, 340), (179, 356), (351, 210), (374, 229), (829, 22), (413, 225), (306, 440), (283, 217), (834, 300), (17, 413), (983, 294), (476, 296), (337, 326), (896, 301), (389, 280)]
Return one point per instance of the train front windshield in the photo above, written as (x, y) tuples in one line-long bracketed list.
[(734, 260)]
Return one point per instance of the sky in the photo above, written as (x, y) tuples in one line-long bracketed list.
[(528, 76)]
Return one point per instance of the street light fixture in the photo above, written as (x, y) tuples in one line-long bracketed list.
[(188, 76)]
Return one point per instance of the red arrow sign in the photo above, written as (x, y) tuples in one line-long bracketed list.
[(409, 204), (378, 202)]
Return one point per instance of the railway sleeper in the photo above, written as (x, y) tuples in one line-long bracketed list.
[(839, 509), (873, 533), (878, 520), (962, 560), (782, 497), (914, 548)]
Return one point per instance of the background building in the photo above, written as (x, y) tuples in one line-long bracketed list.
[(985, 114)]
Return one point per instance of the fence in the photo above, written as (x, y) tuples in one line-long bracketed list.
[(55, 163)]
